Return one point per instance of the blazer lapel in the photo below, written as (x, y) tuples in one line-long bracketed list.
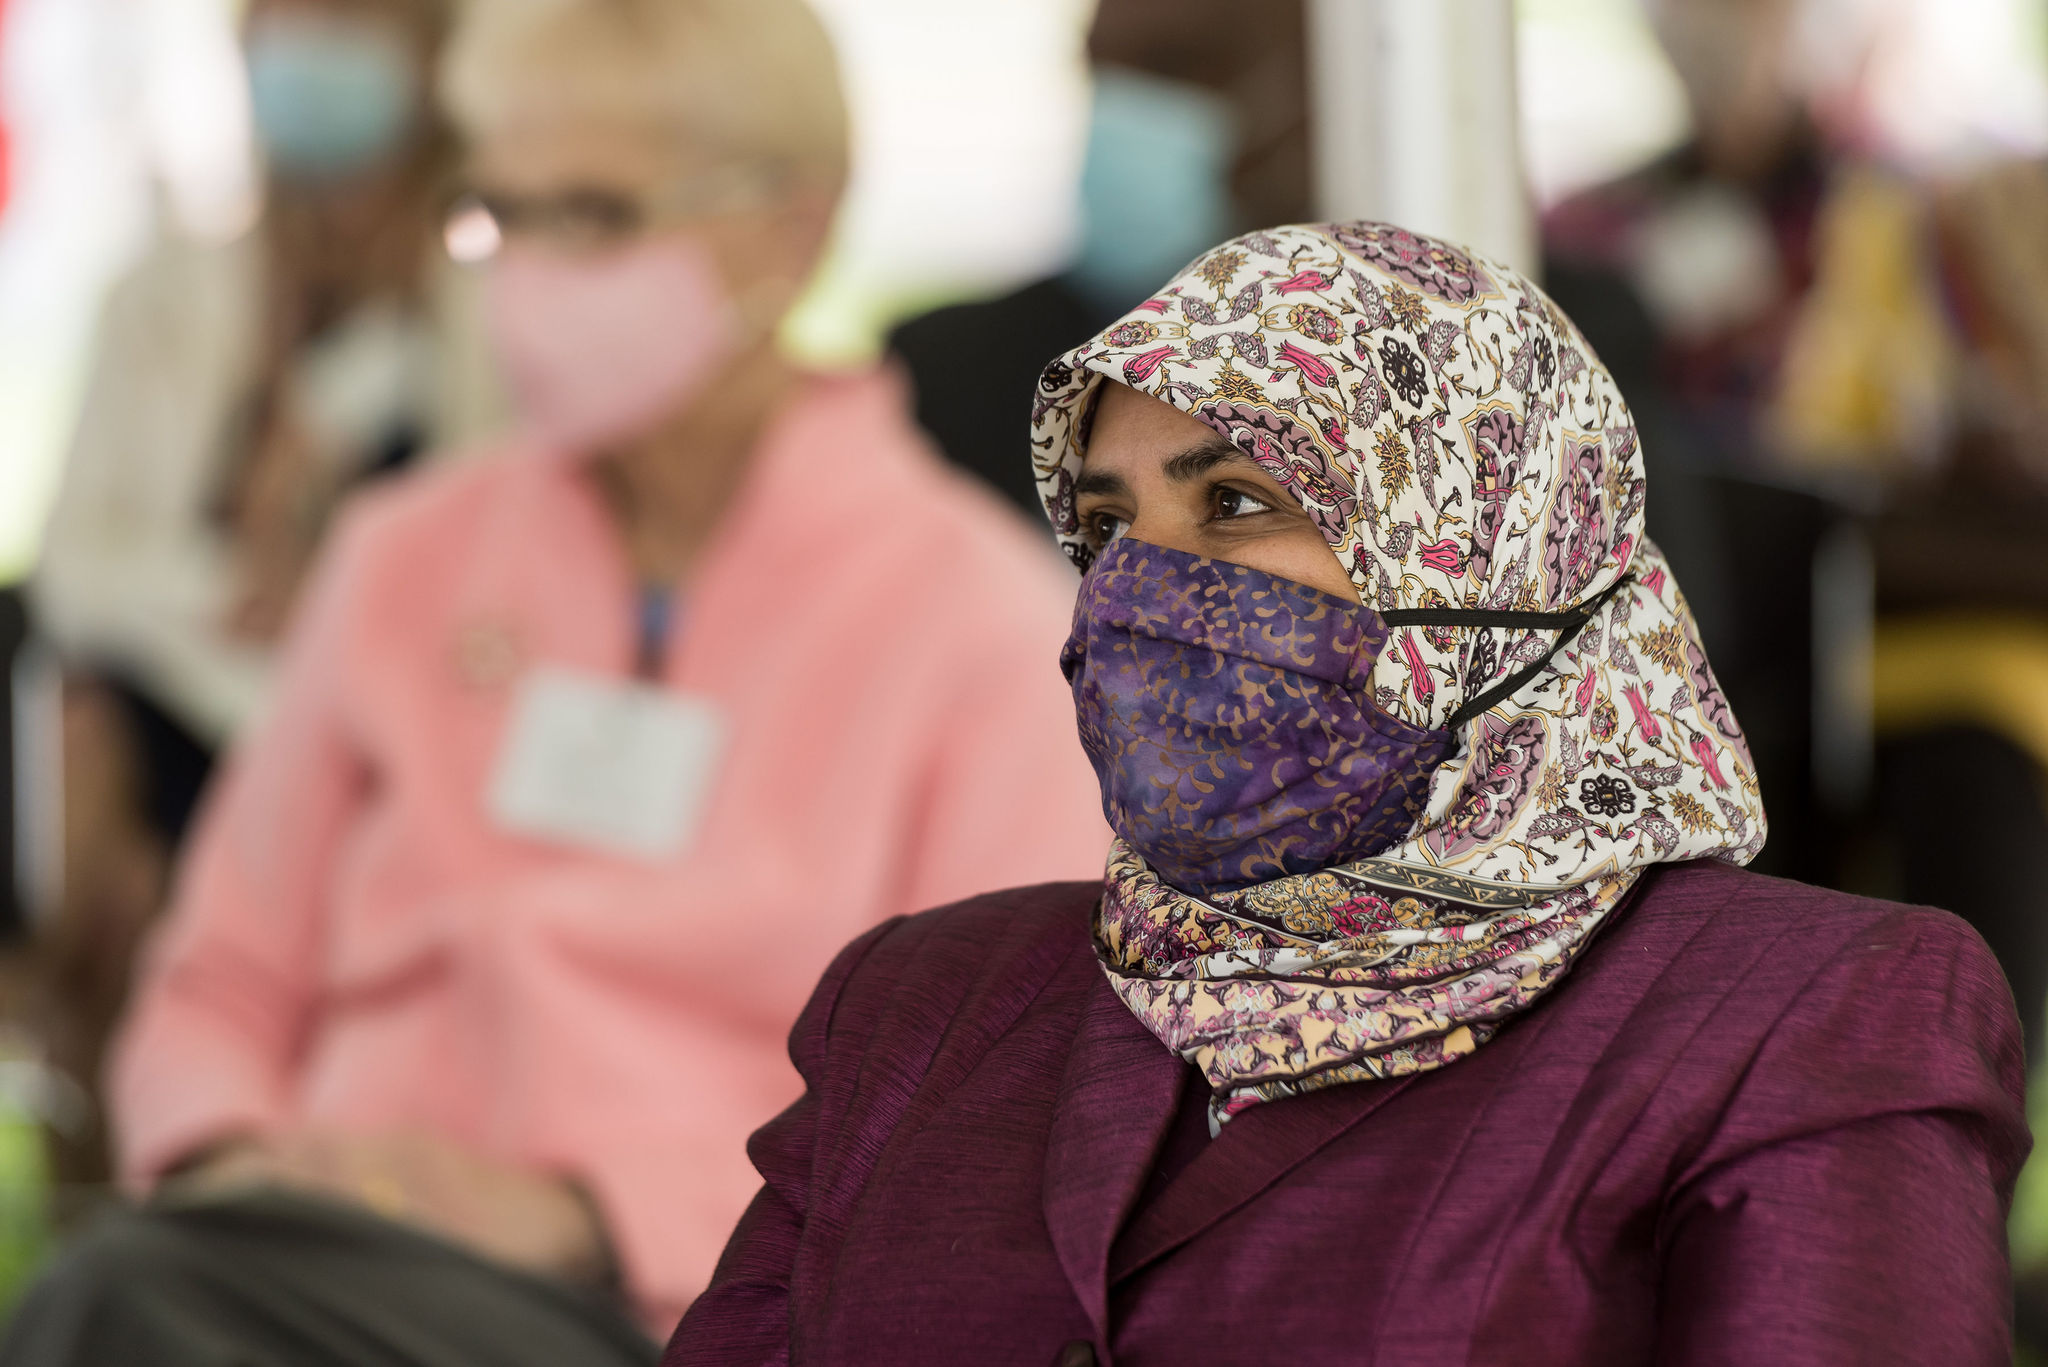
[(1256, 1148), (1116, 1101)]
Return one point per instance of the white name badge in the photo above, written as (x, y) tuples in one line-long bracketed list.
[(603, 764)]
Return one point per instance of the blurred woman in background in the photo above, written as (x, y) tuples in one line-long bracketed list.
[(239, 389), (584, 756)]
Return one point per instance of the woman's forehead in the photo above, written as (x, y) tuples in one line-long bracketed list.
[(549, 144), (545, 149), (1126, 425)]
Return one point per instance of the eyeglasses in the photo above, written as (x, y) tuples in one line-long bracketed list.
[(590, 219)]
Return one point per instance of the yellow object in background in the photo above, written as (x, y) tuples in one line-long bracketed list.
[(1989, 670), (24, 1173), (24, 1204), (1869, 369)]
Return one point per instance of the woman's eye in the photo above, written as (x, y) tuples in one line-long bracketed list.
[(1236, 503), (1103, 528)]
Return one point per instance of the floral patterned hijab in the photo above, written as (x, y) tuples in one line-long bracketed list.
[(1475, 469)]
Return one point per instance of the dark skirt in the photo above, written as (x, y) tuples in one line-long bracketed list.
[(280, 1279)]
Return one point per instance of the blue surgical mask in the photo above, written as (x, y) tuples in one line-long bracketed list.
[(331, 97), (1155, 187)]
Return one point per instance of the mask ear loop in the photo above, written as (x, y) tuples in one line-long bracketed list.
[(1567, 624)]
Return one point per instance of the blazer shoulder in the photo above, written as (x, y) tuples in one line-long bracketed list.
[(1836, 985), (948, 958), (1822, 1009), (991, 932), (394, 539), (1710, 904), (425, 504)]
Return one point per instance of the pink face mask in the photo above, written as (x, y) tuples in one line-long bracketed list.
[(599, 348)]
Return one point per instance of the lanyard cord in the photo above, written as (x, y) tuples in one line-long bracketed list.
[(654, 621)]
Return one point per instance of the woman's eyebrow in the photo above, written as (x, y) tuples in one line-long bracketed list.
[(1194, 462), (1101, 483), (1200, 459)]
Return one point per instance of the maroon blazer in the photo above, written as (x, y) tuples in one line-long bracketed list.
[(1758, 1124)]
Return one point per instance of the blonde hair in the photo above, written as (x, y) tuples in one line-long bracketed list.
[(754, 78)]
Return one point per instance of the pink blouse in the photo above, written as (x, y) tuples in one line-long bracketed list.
[(355, 945)]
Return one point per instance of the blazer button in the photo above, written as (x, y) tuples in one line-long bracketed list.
[(1079, 1353)]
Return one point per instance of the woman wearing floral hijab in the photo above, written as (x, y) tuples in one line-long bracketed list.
[(1429, 811)]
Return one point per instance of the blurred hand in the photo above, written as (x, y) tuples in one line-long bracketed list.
[(534, 1221)]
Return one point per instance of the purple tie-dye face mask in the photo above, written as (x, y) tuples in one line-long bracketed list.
[(1230, 718)]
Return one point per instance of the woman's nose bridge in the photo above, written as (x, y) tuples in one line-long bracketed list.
[(1168, 530), (1163, 515)]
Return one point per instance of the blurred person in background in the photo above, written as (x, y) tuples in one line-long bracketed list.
[(1196, 126), (585, 755), (1685, 276), (1698, 260), (1830, 352), (1424, 1015), (239, 389)]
